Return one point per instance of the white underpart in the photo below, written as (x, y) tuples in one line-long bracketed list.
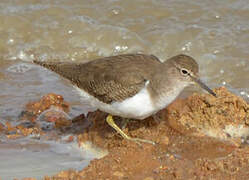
[(139, 106), (166, 98)]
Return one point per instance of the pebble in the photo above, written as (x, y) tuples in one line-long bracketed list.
[(164, 140), (149, 178), (118, 174)]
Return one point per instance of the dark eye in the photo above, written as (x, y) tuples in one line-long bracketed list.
[(184, 72)]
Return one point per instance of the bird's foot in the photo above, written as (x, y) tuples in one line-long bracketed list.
[(111, 122)]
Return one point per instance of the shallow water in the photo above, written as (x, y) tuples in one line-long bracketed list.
[(215, 33), (36, 158)]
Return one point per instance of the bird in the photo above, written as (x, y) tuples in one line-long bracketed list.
[(133, 86)]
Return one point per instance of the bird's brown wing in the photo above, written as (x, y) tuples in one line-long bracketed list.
[(116, 78), (109, 79)]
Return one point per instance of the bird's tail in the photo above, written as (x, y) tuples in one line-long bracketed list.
[(65, 69)]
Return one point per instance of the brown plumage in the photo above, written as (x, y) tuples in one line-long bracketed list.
[(100, 78)]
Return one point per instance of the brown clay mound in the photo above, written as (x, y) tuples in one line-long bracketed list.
[(178, 154)]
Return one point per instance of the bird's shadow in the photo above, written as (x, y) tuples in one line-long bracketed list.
[(95, 124)]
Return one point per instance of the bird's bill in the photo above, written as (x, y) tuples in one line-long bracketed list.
[(204, 86)]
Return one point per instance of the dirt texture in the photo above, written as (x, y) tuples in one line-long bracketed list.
[(200, 137)]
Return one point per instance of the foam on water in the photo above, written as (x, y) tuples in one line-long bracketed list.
[(19, 68)]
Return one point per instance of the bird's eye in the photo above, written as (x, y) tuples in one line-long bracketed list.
[(184, 72)]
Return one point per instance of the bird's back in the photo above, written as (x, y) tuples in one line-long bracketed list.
[(111, 78)]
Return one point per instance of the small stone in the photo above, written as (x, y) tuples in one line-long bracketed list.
[(118, 174), (247, 119), (1, 127), (236, 141), (164, 140), (171, 157), (149, 178), (13, 136)]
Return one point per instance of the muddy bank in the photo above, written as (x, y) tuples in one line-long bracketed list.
[(200, 137), (185, 148)]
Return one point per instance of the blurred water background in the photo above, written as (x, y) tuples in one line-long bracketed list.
[(215, 33)]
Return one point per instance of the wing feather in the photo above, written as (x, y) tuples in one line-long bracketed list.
[(109, 79)]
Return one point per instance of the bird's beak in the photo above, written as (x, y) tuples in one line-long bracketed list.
[(204, 86)]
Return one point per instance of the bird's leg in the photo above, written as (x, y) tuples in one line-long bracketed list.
[(124, 123), (156, 118), (110, 121)]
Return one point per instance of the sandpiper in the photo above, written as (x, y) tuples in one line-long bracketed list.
[(131, 85)]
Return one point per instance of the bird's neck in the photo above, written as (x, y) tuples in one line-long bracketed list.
[(164, 87)]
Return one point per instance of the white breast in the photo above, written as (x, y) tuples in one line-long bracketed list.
[(139, 106)]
